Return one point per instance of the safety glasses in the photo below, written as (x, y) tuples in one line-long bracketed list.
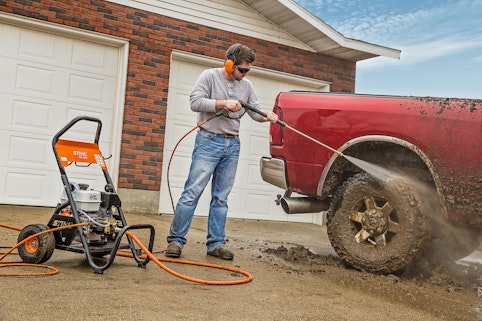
[(241, 70)]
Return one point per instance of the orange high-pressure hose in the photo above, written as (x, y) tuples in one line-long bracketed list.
[(48, 267), (187, 278), (175, 147), (54, 270)]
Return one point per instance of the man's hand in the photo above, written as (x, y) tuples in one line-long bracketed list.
[(232, 105), (272, 117)]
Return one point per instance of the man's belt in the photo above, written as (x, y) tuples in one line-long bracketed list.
[(223, 135)]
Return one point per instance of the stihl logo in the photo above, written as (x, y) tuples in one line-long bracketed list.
[(80, 154)]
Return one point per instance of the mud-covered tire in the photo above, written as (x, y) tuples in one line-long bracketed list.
[(38, 249), (378, 227)]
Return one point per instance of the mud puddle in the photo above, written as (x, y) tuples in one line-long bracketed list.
[(451, 277)]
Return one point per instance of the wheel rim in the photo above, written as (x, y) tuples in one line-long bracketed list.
[(31, 246), (374, 221)]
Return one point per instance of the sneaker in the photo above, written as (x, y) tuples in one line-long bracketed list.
[(173, 250), (222, 253)]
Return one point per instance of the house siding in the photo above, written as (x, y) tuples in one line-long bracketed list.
[(152, 38)]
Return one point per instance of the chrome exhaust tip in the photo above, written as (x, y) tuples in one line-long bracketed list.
[(297, 205)]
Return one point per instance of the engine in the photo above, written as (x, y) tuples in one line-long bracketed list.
[(97, 209)]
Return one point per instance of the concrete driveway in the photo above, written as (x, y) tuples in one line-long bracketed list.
[(307, 284)]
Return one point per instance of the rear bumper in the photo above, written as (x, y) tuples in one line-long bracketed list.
[(273, 172)]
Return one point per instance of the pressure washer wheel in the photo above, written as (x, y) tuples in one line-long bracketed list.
[(38, 249)]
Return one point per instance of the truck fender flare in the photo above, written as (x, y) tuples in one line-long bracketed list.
[(387, 139)]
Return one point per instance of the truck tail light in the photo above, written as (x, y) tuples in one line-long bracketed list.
[(275, 130)]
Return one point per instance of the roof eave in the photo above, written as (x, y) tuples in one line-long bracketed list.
[(316, 34)]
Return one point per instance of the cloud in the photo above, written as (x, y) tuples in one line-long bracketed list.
[(424, 30), (423, 52), (477, 59), (387, 29), (395, 23)]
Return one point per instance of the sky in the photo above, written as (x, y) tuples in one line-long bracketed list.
[(440, 43)]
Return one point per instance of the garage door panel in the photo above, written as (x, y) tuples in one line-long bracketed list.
[(10, 39), (30, 115), (44, 48), (267, 84), (22, 148), (184, 78), (85, 130), (258, 206), (254, 146), (22, 151), (37, 80), (254, 178), (174, 134), (182, 119), (179, 107), (26, 115), (29, 151), (8, 66), (45, 117), (43, 82), (27, 187), (34, 46), (27, 78), (235, 206), (177, 171), (92, 58), (165, 206), (248, 176), (58, 51), (88, 89), (22, 185)]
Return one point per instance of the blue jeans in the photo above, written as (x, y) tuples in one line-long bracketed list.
[(213, 156)]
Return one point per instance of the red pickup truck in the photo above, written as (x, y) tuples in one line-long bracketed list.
[(428, 206)]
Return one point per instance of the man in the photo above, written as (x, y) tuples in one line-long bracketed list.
[(216, 149)]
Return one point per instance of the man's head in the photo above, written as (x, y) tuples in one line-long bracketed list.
[(238, 60)]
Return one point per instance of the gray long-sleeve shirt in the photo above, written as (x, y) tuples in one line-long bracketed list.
[(211, 86)]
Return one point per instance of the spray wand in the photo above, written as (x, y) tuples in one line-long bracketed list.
[(283, 124)]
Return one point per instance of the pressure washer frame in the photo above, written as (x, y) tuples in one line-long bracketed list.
[(69, 152)]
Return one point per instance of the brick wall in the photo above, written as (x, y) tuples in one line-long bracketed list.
[(152, 38)]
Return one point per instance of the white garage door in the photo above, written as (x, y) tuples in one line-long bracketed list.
[(46, 80), (251, 197)]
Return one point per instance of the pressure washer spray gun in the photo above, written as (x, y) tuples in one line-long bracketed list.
[(283, 124)]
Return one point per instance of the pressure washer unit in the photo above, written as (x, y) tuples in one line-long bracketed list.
[(96, 219)]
